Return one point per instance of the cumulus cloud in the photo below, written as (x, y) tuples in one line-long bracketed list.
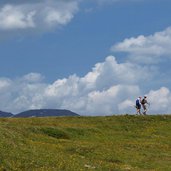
[(161, 100), (33, 77), (149, 49), (24, 17), (40, 15), (13, 18), (4, 84), (36, 15), (109, 88)]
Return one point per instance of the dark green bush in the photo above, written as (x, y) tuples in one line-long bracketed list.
[(55, 133)]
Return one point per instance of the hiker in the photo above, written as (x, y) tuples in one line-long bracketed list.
[(144, 103), (138, 105)]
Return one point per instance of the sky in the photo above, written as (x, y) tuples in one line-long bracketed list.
[(93, 57)]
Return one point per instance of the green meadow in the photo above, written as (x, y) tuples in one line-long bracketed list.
[(111, 143)]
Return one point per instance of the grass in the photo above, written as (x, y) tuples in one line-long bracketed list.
[(112, 143)]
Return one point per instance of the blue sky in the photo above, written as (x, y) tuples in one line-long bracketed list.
[(92, 57)]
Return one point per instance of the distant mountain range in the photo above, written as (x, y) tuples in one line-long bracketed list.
[(39, 113), (5, 114)]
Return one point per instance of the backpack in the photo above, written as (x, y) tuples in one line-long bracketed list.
[(143, 101)]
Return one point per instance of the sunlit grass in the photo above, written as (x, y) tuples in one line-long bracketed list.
[(86, 143)]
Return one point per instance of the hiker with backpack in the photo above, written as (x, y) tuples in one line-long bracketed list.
[(138, 105), (144, 103)]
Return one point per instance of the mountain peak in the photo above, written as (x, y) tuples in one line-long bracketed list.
[(46, 113)]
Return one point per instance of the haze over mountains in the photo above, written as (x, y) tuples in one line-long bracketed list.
[(40, 113)]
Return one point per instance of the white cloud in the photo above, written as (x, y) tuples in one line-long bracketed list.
[(27, 17), (33, 77), (4, 84), (150, 49), (110, 87), (126, 106), (12, 17), (40, 15), (112, 72), (108, 101), (160, 100)]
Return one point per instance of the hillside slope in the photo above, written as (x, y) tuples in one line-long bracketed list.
[(86, 143)]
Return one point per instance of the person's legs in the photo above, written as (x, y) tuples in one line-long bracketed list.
[(138, 109), (145, 109)]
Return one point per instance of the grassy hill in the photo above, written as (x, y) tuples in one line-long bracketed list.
[(112, 143)]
